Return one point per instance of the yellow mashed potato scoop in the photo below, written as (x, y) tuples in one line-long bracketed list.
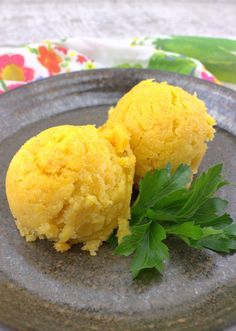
[(73, 184), (166, 125)]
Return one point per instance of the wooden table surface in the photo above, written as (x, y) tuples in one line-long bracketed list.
[(23, 21), (34, 20)]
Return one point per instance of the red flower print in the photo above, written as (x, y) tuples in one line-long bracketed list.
[(206, 76), (12, 67), (81, 58), (49, 59), (62, 49), (13, 86)]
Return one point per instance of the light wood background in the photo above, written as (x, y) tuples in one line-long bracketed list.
[(24, 21)]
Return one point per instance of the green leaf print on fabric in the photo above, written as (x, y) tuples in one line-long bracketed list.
[(3, 85), (165, 62), (128, 65), (33, 50), (217, 54)]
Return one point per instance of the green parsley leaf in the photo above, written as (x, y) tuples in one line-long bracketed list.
[(160, 215), (188, 229), (167, 206), (112, 241), (219, 243), (132, 241), (146, 241), (159, 184), (152, 252), (218, 222), (202, 189), (230, 230), (212, 208)]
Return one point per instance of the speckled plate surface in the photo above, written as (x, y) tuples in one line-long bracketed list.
[(44, 290)]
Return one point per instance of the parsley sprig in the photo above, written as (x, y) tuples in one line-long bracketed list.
[(168, 206)]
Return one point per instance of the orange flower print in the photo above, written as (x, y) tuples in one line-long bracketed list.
[(12, 67), (49, 59)]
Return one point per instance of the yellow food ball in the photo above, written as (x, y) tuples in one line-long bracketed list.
[(71, 184), (166, 125)]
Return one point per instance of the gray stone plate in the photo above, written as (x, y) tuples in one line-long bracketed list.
[(44, 290)]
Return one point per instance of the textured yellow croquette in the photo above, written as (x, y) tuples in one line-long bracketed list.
[(166, 125), (71, 184)]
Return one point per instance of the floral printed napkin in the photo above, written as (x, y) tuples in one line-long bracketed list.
[(212, 59)]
